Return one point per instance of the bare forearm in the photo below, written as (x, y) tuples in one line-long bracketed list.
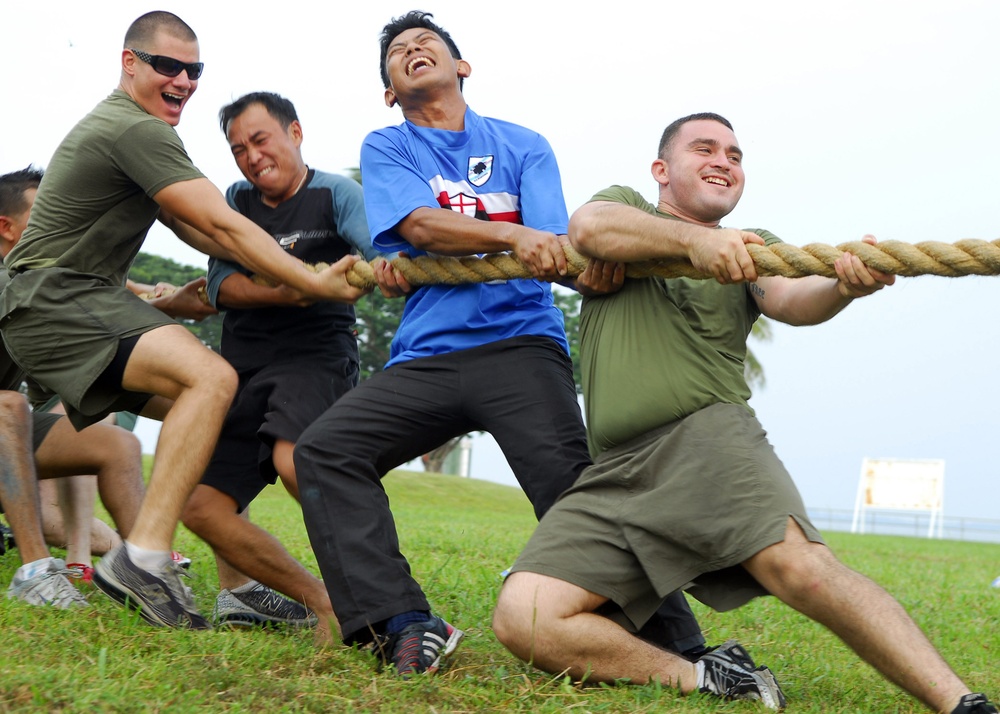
[(618, 233), (799, 301), (446, 232), (239, 292)]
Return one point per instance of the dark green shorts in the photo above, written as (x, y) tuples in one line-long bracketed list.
[(63, 328), (681, 506), (126, 420)]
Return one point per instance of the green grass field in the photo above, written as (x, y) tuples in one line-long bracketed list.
[(459, 534)]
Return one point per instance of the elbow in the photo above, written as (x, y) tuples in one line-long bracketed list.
[(418, 229), (583, 231)]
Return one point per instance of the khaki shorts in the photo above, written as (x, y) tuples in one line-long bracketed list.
[(679, 507), (63, 328)]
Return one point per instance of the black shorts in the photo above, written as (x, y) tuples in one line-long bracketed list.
[(41, 423), (275, 403)]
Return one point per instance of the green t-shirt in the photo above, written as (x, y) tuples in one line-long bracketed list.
[(94, 206), (661, 349)]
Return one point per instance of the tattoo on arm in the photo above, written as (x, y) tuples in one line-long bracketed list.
[(757, 290)]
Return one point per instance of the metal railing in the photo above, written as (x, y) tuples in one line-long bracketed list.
[(908, 524)]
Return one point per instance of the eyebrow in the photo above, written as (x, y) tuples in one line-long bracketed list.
[(397, 42), (253, 138), (712, 142)]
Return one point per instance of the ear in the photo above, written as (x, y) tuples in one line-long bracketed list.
[(128, 63), (660, 171), (464, 69), (390, 98), (295, 131), (6, 235)]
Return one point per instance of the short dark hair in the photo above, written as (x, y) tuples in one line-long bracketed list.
[(14, 185), (277, 106), (410, 21), (675, 126), (140, 33)]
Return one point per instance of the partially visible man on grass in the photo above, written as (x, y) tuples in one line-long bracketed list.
[(69, 321), (686, 492)]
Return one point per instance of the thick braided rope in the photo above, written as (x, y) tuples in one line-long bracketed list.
[(965, 257)]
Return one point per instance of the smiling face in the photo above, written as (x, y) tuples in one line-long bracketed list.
[(701, 173), (161, 96), (269, 155), (418, 61)]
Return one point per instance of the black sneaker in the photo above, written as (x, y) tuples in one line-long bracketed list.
[(7, 542), (420, 647), (729, 672), (161, 599), (974, 704), (260, 606)]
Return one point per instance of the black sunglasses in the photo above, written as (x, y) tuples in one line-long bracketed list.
[(168, 66)]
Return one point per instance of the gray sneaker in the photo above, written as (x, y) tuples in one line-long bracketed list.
[(161, 598), (260, 606), (729, 672), (51, 587)]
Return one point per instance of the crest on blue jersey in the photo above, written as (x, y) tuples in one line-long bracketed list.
[(480, 169)]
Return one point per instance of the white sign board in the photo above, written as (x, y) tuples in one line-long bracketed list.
[(901, 485)]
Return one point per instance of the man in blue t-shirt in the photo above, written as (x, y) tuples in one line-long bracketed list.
[(490, 357)]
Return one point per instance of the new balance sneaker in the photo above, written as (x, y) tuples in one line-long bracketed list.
[(974, 704), (260, 606), (421, 647), (50, 587), (161, 598), (82, 572), (729, 672)]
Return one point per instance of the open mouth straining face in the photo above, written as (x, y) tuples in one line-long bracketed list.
[(418, 63)]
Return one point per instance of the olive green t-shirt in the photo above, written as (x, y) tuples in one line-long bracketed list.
[(94, 205), (661, 349)]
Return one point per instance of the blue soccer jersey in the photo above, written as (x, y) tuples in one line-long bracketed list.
[(493, 171)]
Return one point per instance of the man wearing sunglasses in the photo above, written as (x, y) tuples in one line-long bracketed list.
[(69, 321)]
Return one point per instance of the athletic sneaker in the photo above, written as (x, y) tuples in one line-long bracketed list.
[(7, 542), (975, 704), (420, 647), (260, 606), (51, 587), (181, 560), (729, 672), (161, 598), (82, 572)]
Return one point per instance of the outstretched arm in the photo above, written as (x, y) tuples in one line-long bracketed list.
[(815, 299), (199, 204), (620, 233)]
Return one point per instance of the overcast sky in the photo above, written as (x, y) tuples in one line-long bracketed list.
[(855, 117)]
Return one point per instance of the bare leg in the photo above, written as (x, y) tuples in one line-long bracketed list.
[(251, 550), (285, 466), (73, 526), (810, 579), (551, 624), (75, 499), (170, 362), (229, 577), (18, 484)]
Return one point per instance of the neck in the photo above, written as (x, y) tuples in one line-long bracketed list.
[(445, 113), (664, 207)]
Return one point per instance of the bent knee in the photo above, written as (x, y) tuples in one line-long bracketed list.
[(206, 507)]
